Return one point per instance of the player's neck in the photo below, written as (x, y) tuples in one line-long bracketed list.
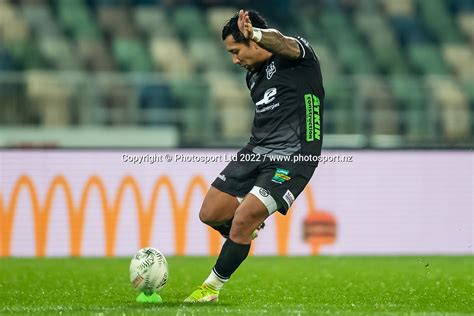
[(265, 57)]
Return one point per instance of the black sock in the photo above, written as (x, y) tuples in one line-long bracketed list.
[(224, 229), (231, 256)]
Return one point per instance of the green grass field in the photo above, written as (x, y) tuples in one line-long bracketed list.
[(262, 286)]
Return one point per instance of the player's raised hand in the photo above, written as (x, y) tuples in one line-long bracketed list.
[(245, 25)]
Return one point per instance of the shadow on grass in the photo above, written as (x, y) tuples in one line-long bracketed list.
[(176, 304), (180, 304)]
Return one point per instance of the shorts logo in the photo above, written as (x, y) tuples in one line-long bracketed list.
[(281, 175), (222, 177), (271, 69), (263, 192), (289, 198)]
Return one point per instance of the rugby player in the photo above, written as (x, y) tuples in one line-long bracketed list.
[(285, 83)]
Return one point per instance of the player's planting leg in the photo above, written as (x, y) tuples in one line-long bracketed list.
[(249, 215), (231, 256), (224, 229)]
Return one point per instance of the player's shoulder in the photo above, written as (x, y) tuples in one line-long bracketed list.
[(306, 50), (302, 40)]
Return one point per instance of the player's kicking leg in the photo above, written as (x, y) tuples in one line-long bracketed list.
[(248, 216), (218, 209)]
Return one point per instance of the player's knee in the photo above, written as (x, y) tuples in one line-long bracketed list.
[(210, 215), (240, 231), (205, 216)]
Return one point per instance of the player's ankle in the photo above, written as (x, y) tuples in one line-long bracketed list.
[(211, 287), (214, 281)]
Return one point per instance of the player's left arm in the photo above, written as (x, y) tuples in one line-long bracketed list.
[(270, 39)]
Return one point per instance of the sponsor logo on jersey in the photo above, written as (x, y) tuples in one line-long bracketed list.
[(271, 69), (281, 175), (268, 96), (289, 198), (313, 117), (267, 108)]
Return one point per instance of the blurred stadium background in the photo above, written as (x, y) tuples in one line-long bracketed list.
[(151, 73), (84, 84)]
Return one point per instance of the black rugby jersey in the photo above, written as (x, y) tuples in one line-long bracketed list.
[(288, 97)]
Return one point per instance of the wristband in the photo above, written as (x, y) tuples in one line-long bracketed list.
[(257, 34)]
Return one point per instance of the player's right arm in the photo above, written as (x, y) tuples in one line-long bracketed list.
[(270, 39)]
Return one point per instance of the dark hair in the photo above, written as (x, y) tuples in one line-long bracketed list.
[(231, 27)]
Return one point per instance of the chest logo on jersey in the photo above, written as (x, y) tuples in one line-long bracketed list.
[(271, 70), (268, 97)]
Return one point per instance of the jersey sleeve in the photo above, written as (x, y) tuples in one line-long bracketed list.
[(306, 51)]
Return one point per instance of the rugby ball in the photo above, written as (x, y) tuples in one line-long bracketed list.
[(148, 270)]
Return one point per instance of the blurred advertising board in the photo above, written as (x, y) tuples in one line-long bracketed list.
[(112, 202)]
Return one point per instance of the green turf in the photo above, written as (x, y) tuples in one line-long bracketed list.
[(262, 286)]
